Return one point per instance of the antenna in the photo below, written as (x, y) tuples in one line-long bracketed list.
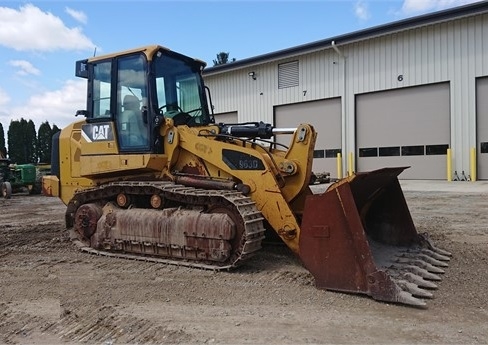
[(95, 51)]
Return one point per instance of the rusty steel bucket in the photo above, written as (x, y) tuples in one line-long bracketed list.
[(359, 237)]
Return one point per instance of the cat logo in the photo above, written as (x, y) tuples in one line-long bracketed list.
[(100, 132), (97, 132)]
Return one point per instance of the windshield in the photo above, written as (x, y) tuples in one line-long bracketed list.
[(179, 90)]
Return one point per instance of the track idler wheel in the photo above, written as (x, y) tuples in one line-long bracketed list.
[(86, 219)]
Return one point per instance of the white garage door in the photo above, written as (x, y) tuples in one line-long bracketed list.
[(404, 127), (226, 117), (325, 116), (482, 125)]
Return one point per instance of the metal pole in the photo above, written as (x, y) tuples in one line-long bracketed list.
[(449, 166), (350, 167), (339, 165), (472, 161)]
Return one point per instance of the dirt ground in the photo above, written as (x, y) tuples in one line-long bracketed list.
[(50, 293)]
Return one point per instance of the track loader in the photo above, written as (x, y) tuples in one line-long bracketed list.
[(148, 174)]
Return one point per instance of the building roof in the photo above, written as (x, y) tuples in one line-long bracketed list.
[(422, 20)]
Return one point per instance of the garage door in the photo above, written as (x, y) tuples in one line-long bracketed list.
[(325, 116), (404, 127), (482, 125), (230, 117)]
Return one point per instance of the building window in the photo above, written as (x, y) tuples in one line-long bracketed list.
[(368, 152), (389, 151), (318, 154), (332, 153), (288, 74), (436, 149), (484, 147), (415, 150)]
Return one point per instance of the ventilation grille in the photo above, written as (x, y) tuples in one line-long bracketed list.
[(288, 74)]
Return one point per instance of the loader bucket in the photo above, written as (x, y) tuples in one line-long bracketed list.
[(359, 237)]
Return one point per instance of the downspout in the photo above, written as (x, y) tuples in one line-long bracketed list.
[(343, 108)]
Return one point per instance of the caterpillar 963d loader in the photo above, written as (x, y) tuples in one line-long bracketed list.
[(147, 173)]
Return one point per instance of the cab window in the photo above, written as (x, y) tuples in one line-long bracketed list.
[(133, 129), (101, 90)]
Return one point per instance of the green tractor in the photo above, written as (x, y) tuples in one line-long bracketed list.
[(17, 177)]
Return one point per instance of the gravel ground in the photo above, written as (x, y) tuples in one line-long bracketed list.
[(50, 293)]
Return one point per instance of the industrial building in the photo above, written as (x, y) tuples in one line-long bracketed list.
[(409, 93)]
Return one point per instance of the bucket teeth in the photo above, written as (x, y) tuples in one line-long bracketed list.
[(419, 263), (439, 254), (417, 270), (414, 270), (433, 261), (413, 278), (413, 289), (442, 252), (407, 298), (427, 243), (421, 282), (425, 258), (428, 252)]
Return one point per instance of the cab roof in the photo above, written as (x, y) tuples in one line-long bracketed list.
[(148, 50)]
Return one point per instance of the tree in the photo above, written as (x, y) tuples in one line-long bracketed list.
[(2, 138), (55, 130), (31, 143), (14, 140), (222, 59), (44, 142), (22, 142)]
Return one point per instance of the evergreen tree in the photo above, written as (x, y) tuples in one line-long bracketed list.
[(44, 142), (22, 141), (222, 59), (55, 130), (31, 143), (2, 138), (14, 140)]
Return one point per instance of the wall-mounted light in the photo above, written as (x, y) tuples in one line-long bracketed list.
[(252, 75)]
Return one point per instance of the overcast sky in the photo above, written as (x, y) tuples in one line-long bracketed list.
[(41, 40)]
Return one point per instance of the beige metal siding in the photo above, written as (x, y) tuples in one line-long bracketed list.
[(453, 51), (319, 77), (230, 117)]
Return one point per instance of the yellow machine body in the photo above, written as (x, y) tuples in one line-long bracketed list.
[(173, 186)]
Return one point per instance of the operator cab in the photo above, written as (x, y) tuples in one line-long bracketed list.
[(133, 91)]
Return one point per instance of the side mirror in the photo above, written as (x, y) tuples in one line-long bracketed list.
[(82, 112)]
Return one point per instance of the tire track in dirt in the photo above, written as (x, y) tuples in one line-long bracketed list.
[(107, 325)]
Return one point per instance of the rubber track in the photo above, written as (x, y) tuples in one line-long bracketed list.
[(242, 205)]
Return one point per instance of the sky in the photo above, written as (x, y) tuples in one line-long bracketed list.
[(41, 40)]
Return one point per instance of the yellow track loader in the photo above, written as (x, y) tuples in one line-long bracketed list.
[(148, 174)]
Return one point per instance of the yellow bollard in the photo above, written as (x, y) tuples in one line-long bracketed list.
[(472, 163), (449, 165), (350, 169), (339, 165)]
